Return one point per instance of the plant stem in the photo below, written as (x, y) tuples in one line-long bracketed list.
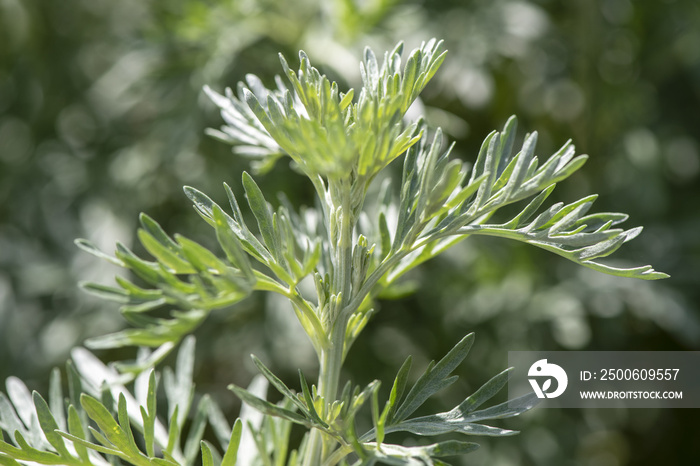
[(331, 358), (337, 455), (328, 379)]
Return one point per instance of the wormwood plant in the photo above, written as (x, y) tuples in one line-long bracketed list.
[(349, 251)]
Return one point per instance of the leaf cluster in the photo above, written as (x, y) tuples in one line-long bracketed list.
[(188, 277), (321, 128), (101, 422), (442, 203), (337, 418)]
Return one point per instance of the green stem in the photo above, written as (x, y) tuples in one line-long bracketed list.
[(337, 455), (328, 379), (331, 358)]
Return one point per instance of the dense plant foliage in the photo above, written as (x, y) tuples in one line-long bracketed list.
[(329, 262)]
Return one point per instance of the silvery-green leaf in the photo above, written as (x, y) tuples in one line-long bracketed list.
[(433, 379), (266, 407)]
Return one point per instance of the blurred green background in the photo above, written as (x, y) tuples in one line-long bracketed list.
[(102, 117)]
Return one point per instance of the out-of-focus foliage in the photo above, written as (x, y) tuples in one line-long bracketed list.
[(60, 432), (102, 116)]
